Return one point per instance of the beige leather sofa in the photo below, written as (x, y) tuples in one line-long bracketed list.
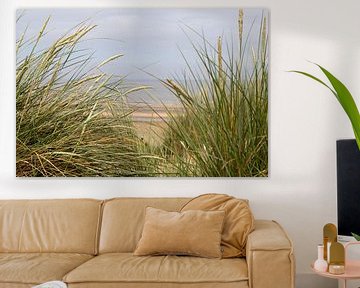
[(89, 243)]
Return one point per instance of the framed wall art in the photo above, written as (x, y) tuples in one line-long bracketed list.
[(145, 92)]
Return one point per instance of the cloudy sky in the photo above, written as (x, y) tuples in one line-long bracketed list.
[(150, 39)]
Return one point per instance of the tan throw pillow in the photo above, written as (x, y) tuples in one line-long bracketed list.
[(239, 220), (196, 233)]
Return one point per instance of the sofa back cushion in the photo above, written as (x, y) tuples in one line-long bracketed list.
[(66, 226), (123, 220), (238, 224)]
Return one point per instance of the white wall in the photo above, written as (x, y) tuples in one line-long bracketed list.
[(305, 121)]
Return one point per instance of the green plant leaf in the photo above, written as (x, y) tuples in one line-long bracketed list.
[(314, 78), (347, 102), (344, 97), (356, 236)]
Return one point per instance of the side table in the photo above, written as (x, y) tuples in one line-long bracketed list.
[(352, 268)]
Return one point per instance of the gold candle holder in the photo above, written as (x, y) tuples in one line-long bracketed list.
[(337, 258), (329, 237)]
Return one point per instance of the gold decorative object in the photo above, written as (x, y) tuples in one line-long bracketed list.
[(337, 258), (336, 269), (337, 254), (330, 236)]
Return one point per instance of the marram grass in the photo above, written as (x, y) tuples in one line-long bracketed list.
[(223, 131), (70, 120)]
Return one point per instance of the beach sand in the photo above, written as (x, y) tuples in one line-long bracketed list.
[(150, 121), (151, 132)]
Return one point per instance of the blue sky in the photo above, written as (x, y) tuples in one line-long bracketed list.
[(149, 38)]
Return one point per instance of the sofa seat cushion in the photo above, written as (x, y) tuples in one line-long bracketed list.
[(127, 268), (242, 284), (36, 268), (15, 285)]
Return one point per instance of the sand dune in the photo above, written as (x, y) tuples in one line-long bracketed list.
[(155, 112)]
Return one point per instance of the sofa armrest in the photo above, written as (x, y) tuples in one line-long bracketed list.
[(269, 256)]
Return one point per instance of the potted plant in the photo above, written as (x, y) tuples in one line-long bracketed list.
[(346, 100)]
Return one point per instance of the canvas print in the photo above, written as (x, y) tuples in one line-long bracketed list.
[(146, 92)]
